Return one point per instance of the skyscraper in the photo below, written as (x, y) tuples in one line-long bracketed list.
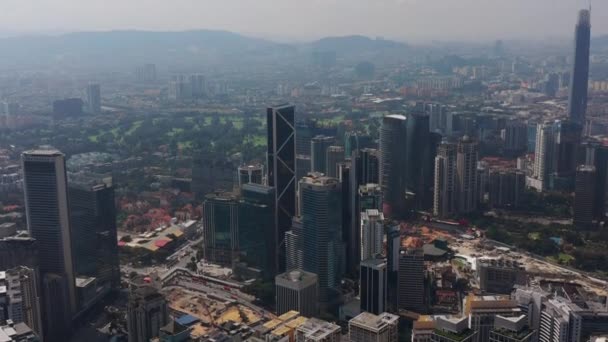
[(221, 228), (363, 171), (255, 226), (147, 312), (334, 155), (444, 201), (367, 327), (20, 300), (584, 192), (318, 152), (373, 284), (544, 156), (282, 172), (48, 220), (419, 182), (515, 137), (94, 98), (567, 142), (297, 290), (322, 231), (506, 188), (93, 215), (466, 175), (392, 165), (372, 233), (411, 280), (577, 102)]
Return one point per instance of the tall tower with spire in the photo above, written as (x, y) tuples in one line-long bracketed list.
[(577, 102)]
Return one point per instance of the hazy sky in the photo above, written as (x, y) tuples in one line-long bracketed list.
[(307, 19)]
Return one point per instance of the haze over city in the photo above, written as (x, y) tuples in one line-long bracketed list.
[(405, 20), (303, 171)]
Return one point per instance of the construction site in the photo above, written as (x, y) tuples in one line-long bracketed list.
[(209, 311)]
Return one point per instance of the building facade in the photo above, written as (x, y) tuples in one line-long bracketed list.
[(281, 173)]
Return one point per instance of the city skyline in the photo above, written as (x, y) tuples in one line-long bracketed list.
[(394, 19)]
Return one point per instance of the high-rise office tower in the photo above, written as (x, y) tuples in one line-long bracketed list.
[(366, 196), (251, 174), (48, 221), (577, 102), (344, 170), (444, 199), (392, 165), (147, 312), (506, 188), (544, 156), (282, 172), (363, 171), (596, 154), (255, 227), (20, 298), (567, 142), (318, 152), (303, 166), (584, 195), (322, 231), (372, 233), (94, 98), (411, 280), (515, 138), (373, 284), (297, 290), (294, 246), (466, 174), (368, 327), (356, 141), (393, 248), (419, 182), (93, 215), (334, 156), (221, 228)]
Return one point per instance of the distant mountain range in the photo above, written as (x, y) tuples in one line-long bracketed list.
[(120, 47)]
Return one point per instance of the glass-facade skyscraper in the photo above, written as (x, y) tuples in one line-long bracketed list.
[(281, 161), (48, 221), (392, 164), (256, 223), (577, 103), (93, 215), (322, 246)]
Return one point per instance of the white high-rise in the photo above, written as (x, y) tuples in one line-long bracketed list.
[(372, 232), (544, 156)]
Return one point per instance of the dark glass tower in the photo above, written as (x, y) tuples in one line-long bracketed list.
[(322, 231), (282, 172), (577, 104), (392, 165), (419, 166), (318, 150), (48, 221), (220, 218), (93, 215), (256, 218)]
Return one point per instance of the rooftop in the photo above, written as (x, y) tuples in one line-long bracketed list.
[(375, 322)]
